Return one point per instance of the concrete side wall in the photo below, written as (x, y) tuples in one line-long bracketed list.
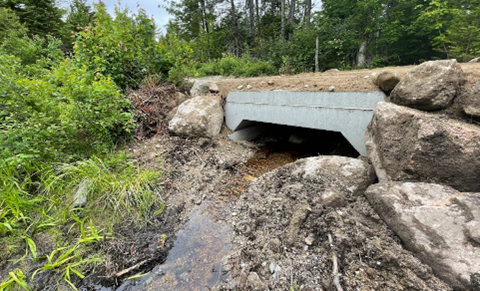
[(345, 112)]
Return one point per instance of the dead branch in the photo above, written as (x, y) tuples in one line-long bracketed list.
[(335, 275), (123, 272)]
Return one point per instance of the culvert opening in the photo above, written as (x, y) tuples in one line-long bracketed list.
[(281, 144), (304, 142)]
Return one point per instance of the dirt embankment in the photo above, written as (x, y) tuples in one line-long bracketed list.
[(357, 80)]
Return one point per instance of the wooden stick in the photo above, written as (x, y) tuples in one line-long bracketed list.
[(123, 272), (336, 277)]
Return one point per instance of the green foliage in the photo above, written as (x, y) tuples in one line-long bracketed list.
[(177, 58), (68, 261), (41, 17), (67, 113), (43, 52), (16, 281), (36, 197), (115, 185), (10, 26), (80, 15), (455, 27), (60, 121), (123, 48), (229, 65)]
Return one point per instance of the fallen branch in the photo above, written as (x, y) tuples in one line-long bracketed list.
[(336, 277), (123, 272)]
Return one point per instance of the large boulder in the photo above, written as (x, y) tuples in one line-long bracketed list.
[(198, 117), (437, 223), (405, 144), (430, 86), (386, 80), (199, 88)]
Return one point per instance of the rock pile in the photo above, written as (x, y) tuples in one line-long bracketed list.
[(428, 169), (426, 164)]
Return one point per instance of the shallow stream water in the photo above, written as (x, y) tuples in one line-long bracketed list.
[(196, 259)]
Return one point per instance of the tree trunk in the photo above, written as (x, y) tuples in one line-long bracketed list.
[(291, 14), (282, 32), (316, 56), (308, 11), (204, 16), (251, 12), (362, 54), (257, 18), (235, 28)]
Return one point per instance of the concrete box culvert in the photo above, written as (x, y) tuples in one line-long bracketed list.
[(346, 112)]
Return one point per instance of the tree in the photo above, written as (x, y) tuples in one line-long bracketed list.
[(79, 16), (123, 48), (10, 26), (41, 17), (455, 27)]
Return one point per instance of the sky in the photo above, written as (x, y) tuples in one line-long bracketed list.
[(151, 7)]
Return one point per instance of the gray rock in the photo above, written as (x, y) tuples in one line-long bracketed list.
[(470, 101), (199, 88), (386, 80), (80, 197), (331, 88), (475, 60), (430, 86), (198, 117), (432, 221), (405, 144), (214, 88), (331, 197)]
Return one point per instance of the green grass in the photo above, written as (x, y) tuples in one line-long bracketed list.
[(37, 198)]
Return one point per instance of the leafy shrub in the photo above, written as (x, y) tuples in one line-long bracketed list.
[(230, 65), (177, 57), (123, 48), (67, 113)]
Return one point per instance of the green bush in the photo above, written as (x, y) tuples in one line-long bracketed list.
[(65, 114), (123, 48), (245, 66)]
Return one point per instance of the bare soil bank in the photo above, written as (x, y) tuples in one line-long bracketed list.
[(357, 80)]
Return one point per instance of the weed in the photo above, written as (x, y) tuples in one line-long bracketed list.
[(68, 262), (120, 187), (16, 280)]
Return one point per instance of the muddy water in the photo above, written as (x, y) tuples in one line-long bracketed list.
[(195, 261)]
